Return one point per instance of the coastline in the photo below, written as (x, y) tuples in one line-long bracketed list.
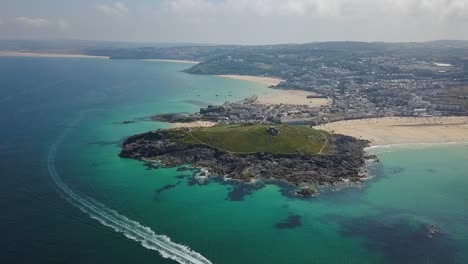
[(47, 55), (175, 61), (394, 131), (279, 96), (373, 148), (250, 78)]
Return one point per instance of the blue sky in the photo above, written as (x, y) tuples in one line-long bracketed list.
[(235, 21)]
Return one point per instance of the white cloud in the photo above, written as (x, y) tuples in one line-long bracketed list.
[(259, 21), (325, 8), (42, 23), (33, 22), (115, 9)]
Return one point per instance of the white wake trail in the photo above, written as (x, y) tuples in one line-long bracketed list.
[(110, 218)]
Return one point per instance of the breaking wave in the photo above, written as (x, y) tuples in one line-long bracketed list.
[(119, 223)]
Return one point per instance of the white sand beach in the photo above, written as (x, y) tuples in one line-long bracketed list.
[(403, 130), (258, 79), (279, 96)]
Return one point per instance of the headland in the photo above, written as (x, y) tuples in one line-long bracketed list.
[(303, 157)]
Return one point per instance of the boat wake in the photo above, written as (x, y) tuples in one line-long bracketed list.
[(119, 223)]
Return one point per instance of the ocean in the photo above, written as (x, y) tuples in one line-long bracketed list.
[(66, 196)]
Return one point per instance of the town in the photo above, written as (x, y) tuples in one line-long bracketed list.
[(369, 95), (360, 80)]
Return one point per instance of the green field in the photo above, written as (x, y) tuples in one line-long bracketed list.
[(254, 138), (452, 96)]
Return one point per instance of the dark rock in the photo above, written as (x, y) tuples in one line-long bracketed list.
[(272, 131), (167, 187), (127, 122), (306, 192), (239, 191), (343, 161), (174, 118), (292, 221), (432, 231)]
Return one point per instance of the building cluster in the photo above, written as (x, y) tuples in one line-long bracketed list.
[(384, 86), (376, 87)]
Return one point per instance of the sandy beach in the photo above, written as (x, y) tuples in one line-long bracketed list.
[(403, 130), (193, 124), (176, 61), (46, 55), (258, 79), (277, 96), (291, 97)]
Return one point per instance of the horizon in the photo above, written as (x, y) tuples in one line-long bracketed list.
[(169, 44)]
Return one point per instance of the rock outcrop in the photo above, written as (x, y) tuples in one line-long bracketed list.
[(342, 162)]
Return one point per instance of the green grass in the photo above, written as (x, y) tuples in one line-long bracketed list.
[(253, 138)]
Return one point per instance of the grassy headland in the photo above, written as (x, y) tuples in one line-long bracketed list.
[(254, 138), (299, 155)]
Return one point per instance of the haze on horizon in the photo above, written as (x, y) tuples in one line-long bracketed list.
[(235, 21)]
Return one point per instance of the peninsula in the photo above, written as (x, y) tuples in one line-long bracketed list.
[(301, 156)]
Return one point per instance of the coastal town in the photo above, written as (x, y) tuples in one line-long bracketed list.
[(374, 80), (402, 99)]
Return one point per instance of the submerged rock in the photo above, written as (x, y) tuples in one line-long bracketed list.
[(126, 122), (307, 192), (292, 221), (432, 231), (173, 118)]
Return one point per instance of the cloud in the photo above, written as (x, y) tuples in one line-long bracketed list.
[(114, 9), (42, 23), (63, 24), (445, 9), (33, 22), (259, 21)]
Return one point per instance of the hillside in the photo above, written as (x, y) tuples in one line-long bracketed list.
[(299, 155)]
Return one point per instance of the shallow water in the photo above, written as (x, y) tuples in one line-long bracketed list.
[(384, 222)]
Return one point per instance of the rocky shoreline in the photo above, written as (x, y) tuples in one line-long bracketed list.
[(305, 172)]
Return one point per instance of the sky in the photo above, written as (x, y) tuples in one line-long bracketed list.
[(234, 21)]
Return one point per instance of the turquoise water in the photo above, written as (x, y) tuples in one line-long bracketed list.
[(42, 99)]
